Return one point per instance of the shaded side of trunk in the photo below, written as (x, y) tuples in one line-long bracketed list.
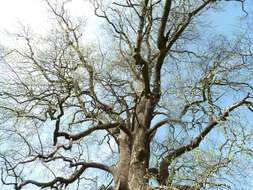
[(139, 161), (140, 152)]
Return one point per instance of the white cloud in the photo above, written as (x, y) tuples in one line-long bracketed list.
[(34, 13)]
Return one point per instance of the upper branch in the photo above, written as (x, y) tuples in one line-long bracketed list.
[(141, 26), (161, 41), (175, 36)]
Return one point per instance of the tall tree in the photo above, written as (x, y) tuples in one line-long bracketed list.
[(166, 100)]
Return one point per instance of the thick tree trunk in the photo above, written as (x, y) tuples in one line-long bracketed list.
[(133, 162), (139, 161), (124, 162), (140, 151), (134, 152)]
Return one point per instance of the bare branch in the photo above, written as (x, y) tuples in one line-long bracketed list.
[(196, 141), (92, 129)]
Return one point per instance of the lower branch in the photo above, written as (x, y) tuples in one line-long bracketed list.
[(56, 180), (65, 181)]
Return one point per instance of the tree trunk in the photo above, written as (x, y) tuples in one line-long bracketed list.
[(140, 150), (139, 161), (124, 162)]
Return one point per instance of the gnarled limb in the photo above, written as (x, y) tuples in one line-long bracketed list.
[(71, 179), (163, 170)]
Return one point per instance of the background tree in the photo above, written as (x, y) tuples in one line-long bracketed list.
[(163, 105)]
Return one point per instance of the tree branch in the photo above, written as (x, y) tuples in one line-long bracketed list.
[(92, 129), (195, 142), (172, 40), (161, 40), (109, 169), (161, 123), (76, 175)]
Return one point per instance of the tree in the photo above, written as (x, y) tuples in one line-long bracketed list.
[(158, 95)]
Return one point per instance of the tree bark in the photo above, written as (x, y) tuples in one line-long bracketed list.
[(139, 161), (124, 162), (140, 151)]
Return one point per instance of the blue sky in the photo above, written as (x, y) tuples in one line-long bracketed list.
[(31, 12)]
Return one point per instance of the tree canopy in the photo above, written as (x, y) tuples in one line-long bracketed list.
[(160, 102)]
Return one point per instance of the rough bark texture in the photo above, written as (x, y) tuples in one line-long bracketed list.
[(127, 98)]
